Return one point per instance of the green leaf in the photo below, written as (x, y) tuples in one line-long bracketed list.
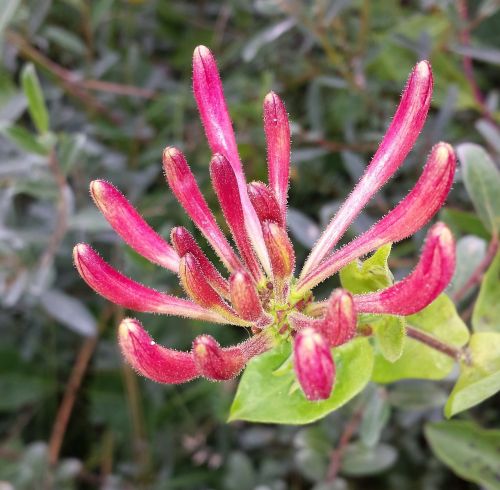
[(36, 102), (24, 139), (417, 394), (22, 390), (390, 335), (375, 416), (470, 451), (464, 222), (482, 181), (471, 251), (373, 274), (479, 380), (359, 460), (486, 315), (264, 397), (419, 361)]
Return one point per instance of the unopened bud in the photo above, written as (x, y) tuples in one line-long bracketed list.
[(244, 296), (184, 243), (198, 288), (313, 363), (214, 362), (264, 202), (152, 360), (339, 323), (280, 249)]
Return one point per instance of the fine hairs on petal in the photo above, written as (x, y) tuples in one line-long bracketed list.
[(395, 146), (158, 363), (121, 290), (429, 279), (209, 95), (411, 214), (132, 228)]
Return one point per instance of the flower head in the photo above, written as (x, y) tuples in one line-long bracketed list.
[(258, 290)]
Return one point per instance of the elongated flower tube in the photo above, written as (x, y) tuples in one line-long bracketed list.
[(119, 289), (258, 290), (184, 243), (151, 360), (413, 212), (397, 143), (185, 188), (128, 223), (277, 130), (209, 95), (224, 182), (313, 363), (429, 279)]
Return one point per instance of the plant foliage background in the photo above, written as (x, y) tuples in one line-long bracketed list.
[(96, 89)]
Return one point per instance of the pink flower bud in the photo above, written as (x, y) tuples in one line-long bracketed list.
[(277, 131), (184, 243), (244, 296), (264, 202), (280, 249), (313, 363), (186, 190), (397, 143), (226, 188), (121, 290), (209, 95), (151, 360), (429, 279), (222, 363), (413, 212), (339, 324), (197, 287), (128, 223)]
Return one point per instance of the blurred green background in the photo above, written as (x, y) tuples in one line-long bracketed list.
[(116, 77)]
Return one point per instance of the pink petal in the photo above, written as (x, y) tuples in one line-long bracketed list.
[(185, 188), (226, 188), (198, 288), (244, 296), (429, 279), (280, 249), (264, 203), (184, 243), (277, 130), (209, 97), (396, 144), (121, 290), (127, 222), (220, 364), (151, 360), (413, 212), (313, 363)]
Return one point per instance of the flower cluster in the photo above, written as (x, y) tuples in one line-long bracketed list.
[(261, 292)]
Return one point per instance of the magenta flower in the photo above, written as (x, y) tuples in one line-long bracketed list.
[(259, 290)]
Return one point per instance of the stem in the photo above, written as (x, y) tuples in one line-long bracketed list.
[(477, 275), (336, 456), (454, 352)]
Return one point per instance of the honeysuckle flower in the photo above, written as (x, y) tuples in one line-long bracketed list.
[(258, 291)]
